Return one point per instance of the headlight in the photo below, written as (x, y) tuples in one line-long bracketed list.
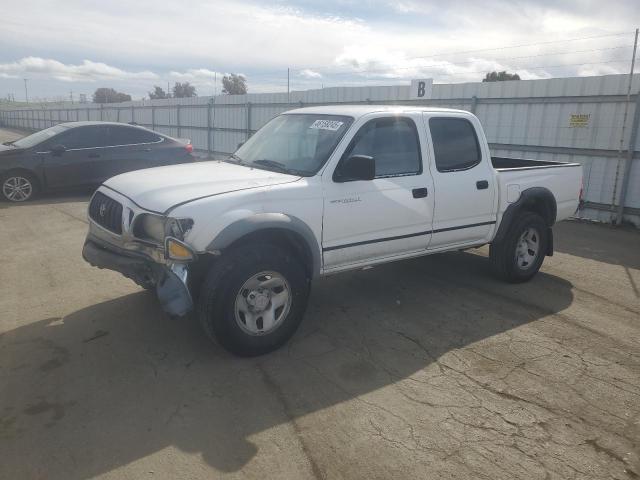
[(156, 228), (150, 227)]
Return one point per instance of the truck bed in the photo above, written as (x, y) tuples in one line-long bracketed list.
[(505, 163)]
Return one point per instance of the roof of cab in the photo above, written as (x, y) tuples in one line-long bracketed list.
[(357, 111)]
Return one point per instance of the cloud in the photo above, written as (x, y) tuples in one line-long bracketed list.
[(338, 38), (86, 71), (308, 73)]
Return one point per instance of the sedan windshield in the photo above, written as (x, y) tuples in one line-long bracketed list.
[(298, 143), (39, 137)]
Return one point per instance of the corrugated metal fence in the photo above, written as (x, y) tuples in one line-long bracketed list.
[(567, 119)]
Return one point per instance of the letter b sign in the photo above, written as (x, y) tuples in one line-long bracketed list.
[(421, 89)]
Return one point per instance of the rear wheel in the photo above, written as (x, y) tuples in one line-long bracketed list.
[(18, 186), (253, 299), (519, 256)]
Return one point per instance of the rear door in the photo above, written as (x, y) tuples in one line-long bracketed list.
[(464, 181), (390, 215), (84, 160), (132, 148)]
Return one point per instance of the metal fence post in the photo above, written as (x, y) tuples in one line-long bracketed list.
[(209, 127), (133, 113), (178, 120), (474, 104), (635, 124), (88, 114), (101, 110), (117, 114), (248, 120), (153, 117)]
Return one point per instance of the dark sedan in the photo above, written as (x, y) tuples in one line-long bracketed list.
[(80, 154)]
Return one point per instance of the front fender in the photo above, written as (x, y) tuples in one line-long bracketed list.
[(262, 221)]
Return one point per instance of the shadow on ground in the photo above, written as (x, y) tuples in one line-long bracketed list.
[(80, 195), (603, 243), (118, 381)]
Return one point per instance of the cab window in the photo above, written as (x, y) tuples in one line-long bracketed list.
[(392, 142), (455, 144)]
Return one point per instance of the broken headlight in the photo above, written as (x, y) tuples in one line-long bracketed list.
[(155, 228)]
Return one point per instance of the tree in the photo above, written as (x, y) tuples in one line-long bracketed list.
[(182, 90), (109, 95), (234, 84), (500, 77), (158, 92)]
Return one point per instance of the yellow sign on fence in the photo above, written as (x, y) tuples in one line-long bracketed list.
[(579, 120)]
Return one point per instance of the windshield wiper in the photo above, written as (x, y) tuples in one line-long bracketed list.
[(281, 167), (233, 158), (8, 144)]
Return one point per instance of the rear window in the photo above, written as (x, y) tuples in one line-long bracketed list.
[(455, 144)]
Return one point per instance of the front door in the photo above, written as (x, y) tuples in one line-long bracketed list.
[(82, 163), (385, 217)]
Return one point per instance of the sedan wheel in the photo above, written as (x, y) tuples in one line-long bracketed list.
[(17, 188)]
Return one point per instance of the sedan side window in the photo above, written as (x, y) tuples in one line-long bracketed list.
[(393, 143), (130, 136), (455, 144), (83, 137)]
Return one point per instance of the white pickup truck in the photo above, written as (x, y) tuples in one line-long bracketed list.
[(318, 191)]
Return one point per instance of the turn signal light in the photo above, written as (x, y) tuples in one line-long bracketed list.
[(189, 148), (176, 250)]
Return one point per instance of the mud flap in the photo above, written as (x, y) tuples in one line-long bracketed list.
[(549, 242)]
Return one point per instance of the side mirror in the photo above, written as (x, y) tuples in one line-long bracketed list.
[(58, 150), (240, 144), (356, 167)]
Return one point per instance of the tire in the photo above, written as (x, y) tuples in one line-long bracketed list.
[(253, 299), (18, 186), (512, 258)]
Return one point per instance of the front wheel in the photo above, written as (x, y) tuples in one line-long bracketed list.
[(519, 255), (18, 187), (253, 299)]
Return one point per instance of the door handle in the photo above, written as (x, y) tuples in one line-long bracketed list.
[(94, 155), (482, 184), (419, 192)]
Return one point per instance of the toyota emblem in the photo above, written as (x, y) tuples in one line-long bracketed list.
[(103, 209)]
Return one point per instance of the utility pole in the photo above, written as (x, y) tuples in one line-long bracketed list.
[(71, 96), (620, 209), (632, 141), (26, 92)]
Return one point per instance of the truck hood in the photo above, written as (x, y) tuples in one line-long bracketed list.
[(158, 189)]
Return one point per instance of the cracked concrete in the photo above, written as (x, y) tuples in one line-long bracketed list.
[(428, 368)]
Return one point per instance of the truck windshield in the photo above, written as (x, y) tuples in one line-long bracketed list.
[(39, 137), (297, 143)]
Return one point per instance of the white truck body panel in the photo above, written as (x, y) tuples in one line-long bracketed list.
[(356, 223)]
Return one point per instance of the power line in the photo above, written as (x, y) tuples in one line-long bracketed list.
[(460, 52), (393, 67)]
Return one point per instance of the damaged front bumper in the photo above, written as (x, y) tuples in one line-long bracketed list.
[(168, 279)]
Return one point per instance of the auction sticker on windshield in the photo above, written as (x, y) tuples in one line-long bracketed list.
[(332, 125)]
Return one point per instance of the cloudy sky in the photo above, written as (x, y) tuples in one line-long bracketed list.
[(72, 45)]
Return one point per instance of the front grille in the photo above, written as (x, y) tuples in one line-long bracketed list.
[(106, 212)]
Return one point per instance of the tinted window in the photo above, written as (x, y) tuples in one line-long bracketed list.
[(83, 137), (130, 136), (454, 143), (392, 142)]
